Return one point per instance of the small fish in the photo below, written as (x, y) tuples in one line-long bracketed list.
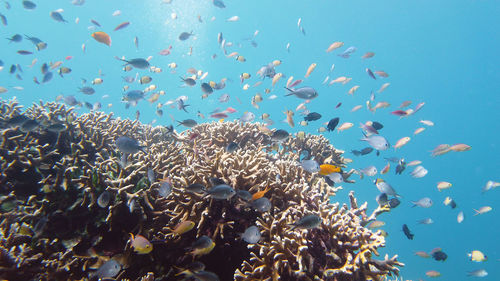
[(482, 210), (310, 69), (477, 256), (165, 189), (377, 142), (128, 145), (139, 63), (425, 202), (260, 194), (219, 4), (251, 235), (183, 227), (460, 217), (327, 169), (233, 19), (490, 185), (332, 124), (433, 273), (443, 185), (460, 147), (140, 244), (109, 269), (28, 5), (188, 123), (221, 192), (102, 37), (384, 187), (347, 53), (478, 273), (103, 199), (280, 135), (55, 15), (195, 188), (307, 222), (86, 90), (121, 26), (232, 147), (334, 45), (310, 166), (407, 232), (419, 172), (247, 117), (306, 93), (426, 221), (422, 254), (368, 55), (401, 142), (312, 116), (449, 201), (261, 205), (185, 35), (369, 171), (441, 149)]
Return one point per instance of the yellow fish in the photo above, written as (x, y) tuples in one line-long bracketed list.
[(183, 227), (443, 185), (334, 45), (327, 169), (261, 193), (276, 78), (477, 256), (310, 69), (203, 251), (140, 244)]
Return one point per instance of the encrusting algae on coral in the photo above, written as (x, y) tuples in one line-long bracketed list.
[(72, 195)]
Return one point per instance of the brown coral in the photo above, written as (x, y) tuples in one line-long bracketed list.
[(54, 229)]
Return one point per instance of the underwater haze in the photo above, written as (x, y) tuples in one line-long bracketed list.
[(404, 64)]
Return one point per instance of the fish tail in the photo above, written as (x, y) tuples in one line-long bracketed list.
[(477, 212)]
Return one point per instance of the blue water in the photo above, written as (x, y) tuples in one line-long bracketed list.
[(443, 53)]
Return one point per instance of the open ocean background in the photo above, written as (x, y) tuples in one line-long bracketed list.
[(443, 53)]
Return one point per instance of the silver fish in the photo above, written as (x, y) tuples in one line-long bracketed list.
[(419, 172), (307, 222), (165, 189), (386, 188), (128, 145), (377, 142), (336, 177), (262, 204), (103, 199), (306, 93), (369, 171), (425, 202), (221, 192), (310, 166), (251, 235), (109, 269), (247, 117)]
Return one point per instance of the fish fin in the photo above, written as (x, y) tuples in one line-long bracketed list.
[(477, 212)]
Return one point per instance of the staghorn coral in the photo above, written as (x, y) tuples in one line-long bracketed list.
[(54, 229)]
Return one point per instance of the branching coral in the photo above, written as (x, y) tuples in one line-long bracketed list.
[(55, 225)]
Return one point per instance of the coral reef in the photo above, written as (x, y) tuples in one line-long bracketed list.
[(56, 223)]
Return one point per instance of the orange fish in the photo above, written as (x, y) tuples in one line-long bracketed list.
[(386, 169), (102, 37), (261, 193), (327, 169)]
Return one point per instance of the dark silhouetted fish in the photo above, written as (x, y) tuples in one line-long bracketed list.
[(407, 232)]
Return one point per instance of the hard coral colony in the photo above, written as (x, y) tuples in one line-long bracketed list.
[(74, 208)]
